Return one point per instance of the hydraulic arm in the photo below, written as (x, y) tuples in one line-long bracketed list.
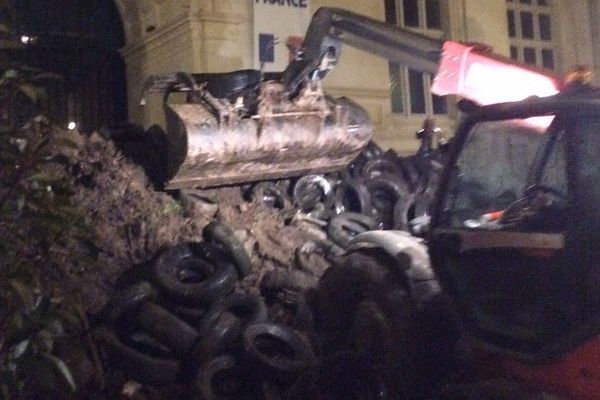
[(330, 26), (471, 71)]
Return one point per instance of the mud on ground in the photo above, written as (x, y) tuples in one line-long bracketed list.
[(133, 222)]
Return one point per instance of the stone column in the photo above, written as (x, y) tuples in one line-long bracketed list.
[(594, 13), (574, 31), (222, 35), (486, 22), (181, 35), (159, 41)]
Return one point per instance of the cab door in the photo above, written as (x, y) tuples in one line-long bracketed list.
[(500, 236)]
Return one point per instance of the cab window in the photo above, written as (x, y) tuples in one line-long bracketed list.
[(509, 175)]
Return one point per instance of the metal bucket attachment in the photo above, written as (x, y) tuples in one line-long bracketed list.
[(212, 143)]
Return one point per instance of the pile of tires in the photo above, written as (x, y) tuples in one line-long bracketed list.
[(297, 335), (187, 324), (378, 190)]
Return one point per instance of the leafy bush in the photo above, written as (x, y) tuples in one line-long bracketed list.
[(36, 221)]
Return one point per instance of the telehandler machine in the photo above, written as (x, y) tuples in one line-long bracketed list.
[(515, 224), (515, 229)]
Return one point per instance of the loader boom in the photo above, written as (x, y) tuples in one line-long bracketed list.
[(329, 26), (460, 69)]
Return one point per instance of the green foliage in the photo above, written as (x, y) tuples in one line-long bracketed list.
[(29, 368), (34, 202), (173, 207), (37, 222), (23, 95)]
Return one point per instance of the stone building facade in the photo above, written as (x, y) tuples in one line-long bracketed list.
[(217, 36)]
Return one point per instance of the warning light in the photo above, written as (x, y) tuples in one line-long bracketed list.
[(580, 74), (488, 79)]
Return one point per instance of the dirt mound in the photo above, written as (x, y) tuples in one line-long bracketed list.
[(133, 222)]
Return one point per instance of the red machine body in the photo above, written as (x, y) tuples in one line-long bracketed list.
[(575, 376)]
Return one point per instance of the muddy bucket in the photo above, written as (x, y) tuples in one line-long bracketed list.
[(205, 149)]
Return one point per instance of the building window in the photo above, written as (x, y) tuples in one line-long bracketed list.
[(531, 33), (410, 89)]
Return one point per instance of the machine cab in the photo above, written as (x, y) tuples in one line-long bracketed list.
[(515, 236)]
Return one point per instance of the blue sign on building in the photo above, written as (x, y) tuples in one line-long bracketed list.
[(266, 47)]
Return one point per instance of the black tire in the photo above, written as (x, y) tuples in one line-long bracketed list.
[(225, 378), (352, 196), (343, 227), (222, 336), (347, 174), (278, 349), (146, 344), (372, 150), (166, 328), (303, 316), (413, 206), (142, 367), (410, 172), (127, 301), (194, 273), (385, 191), (321, 212), (223, 235), (383, 165), (283, 279), (310, 190), (248, 308), (190, 314), (271, 195), (402, 212)]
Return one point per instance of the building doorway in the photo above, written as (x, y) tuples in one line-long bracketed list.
[(80, 41)]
